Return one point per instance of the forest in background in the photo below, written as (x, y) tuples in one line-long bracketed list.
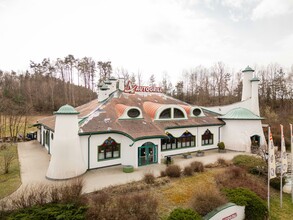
[(52, 83)]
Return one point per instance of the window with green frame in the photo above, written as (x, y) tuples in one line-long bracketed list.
[(207, 138), (47, 137), (110, 149), (185, 140)]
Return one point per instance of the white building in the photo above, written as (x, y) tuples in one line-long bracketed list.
[(139, 126)]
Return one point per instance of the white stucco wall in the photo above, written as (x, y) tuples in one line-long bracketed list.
[(236, 134), (226, 108), (66, 156), (127, 152)]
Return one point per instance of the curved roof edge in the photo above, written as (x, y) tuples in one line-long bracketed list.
[(240, 114)]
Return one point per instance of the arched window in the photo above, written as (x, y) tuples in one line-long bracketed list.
[(207, 138), (186, 140), (110, 149), (165, 114), (168, 143), (178, 113)]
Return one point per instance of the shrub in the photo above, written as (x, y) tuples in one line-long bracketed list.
[(163, 173), (250, 163), (149, 178), (69, 192), (134, 206), (184, 214), (206, 200), (255, 207), (188, 171), (221, 145), (50, 211), (197, 166), (276, 182), (222, 162), (236, 177), (173, 171)]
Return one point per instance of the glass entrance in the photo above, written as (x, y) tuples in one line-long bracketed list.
[(147, 154)]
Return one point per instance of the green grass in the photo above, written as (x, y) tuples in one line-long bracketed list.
[(277, 213), (11, 181)]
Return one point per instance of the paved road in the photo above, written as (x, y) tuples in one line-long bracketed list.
[(34, 161)]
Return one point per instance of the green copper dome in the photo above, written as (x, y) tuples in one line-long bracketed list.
[(248, 69), (240, 114), (66, 110), (254, 79)]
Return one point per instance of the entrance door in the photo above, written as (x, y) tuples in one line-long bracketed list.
[(147, 154)]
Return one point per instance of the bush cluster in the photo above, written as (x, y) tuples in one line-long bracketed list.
[(133, 206), (51, 211), (173, 171), (252, 164), (238, 177), (197, 166), (188, 171), (255, 207), (206, 200), (276, 183), (149, 178), (69, 192), (184, 214)]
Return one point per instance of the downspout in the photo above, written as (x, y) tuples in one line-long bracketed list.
[(88, 151), (219, 137)]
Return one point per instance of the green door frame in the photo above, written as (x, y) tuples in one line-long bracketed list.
[(147, 150)]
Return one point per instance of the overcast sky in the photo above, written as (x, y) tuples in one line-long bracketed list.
[(153, 36)]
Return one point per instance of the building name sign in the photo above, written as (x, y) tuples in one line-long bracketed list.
[(132, 88)]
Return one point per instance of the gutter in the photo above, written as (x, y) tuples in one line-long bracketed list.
[(88, 151)]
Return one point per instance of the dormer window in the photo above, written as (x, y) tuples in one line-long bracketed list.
[(196, 112), (165, 114), (170, 112), (133, 113), (178, 113), (128, 112)]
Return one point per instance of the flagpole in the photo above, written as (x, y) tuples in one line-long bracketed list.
[(269, 167), (291, 134)]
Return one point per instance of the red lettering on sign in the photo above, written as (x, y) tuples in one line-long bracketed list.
[(132, 88), (234, 215)]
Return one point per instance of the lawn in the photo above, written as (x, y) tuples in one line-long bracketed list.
[(11, 181), (278, 213)]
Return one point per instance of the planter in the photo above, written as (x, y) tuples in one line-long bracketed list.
[(128, 169), (222, 150), (187, 156), (199, 154)]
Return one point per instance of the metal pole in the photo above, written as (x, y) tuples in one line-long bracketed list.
[(269, 168), (281, 180), (291, 134)]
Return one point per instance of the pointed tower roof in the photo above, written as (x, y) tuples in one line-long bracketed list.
[(248, 69)]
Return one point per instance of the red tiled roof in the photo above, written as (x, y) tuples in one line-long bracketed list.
[(186, 108), (120, 108), (106, 117), (151, 108)]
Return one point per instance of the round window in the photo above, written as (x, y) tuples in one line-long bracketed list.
[(133, 113), (196, 112)]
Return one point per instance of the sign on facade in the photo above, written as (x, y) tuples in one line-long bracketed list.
[(133, 88)]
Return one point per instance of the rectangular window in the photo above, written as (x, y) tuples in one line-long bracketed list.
[(177, 143)]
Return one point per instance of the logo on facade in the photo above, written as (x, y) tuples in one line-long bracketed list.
[(234, 215), (132, 88)]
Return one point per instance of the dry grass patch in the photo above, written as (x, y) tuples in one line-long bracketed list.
[(179, 192), (11, 181)]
